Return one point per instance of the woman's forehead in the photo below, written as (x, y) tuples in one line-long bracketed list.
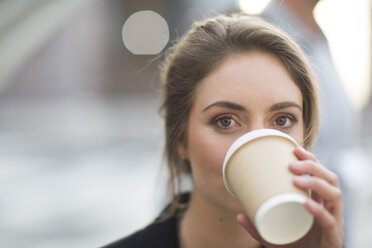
[(249, 75)]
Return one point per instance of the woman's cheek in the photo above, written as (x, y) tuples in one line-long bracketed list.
[(210, 156)]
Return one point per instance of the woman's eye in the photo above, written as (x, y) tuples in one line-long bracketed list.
[(224, 122), (285, 121)]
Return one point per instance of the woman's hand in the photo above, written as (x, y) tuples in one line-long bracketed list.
[(325, 205)]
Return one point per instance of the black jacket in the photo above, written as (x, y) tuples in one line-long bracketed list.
[(162, 234), (159, 234)]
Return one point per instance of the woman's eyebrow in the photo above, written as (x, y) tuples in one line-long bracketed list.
[(283, 105), (226, 104)]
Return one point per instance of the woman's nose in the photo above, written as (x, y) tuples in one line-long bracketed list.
[(256, 125)]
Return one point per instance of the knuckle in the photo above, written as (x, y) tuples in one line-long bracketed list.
[(313, 166), (331, 222), (319, 211), (309, 166), (313, 163), (305, 167), (315, 182), (334, 179), (338, 194)]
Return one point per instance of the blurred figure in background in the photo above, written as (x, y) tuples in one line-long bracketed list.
[(338, 121)]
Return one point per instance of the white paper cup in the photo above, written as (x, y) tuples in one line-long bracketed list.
[(255, 171)]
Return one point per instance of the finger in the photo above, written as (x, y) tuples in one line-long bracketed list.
[(315, 169), (332, 195), (302, 154), (327, 191), (327, 222), (248, 225), (316, 197)]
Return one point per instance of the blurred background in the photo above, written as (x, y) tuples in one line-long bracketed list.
[(81, 140)]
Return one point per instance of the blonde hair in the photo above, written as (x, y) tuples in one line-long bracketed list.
[(201, 50)]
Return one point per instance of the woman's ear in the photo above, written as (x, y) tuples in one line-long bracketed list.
[(182, 150)]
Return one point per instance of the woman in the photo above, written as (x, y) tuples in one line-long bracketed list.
[(227, 76)]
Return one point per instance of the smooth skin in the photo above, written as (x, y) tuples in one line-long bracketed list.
[(249, 91)]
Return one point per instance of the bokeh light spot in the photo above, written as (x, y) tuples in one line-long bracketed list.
[(145, 32), (253, 6)]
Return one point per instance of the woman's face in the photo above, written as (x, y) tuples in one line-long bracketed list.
[(247, 91)]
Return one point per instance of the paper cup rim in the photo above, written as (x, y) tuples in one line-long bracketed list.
[(297, 200), (245, 138)]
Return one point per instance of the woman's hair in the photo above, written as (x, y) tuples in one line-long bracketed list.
[(201, 50)]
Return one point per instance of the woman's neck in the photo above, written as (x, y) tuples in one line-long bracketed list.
[(205, 225)]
